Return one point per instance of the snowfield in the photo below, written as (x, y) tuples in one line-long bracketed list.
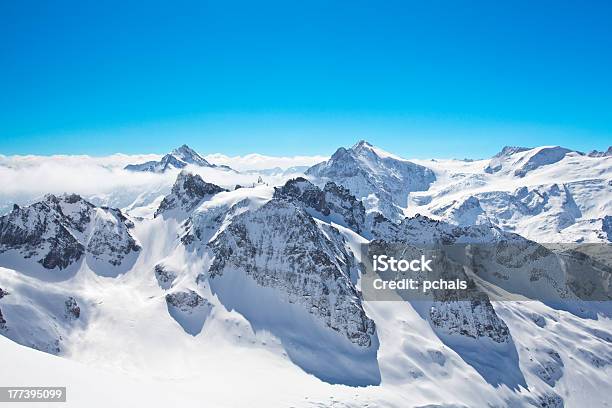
[(226, 286)]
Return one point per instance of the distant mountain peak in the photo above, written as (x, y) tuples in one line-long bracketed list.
[(369, 172), (188, 155), (510, 150), (362, 143), (178, 158), (596, 153)]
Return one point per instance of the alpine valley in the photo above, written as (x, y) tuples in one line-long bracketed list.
[(172, 280)]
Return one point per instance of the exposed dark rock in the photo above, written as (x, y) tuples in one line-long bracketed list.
[(58, 231), (187, 192), (72, 309), (332, 199), (280, 246), (164, 276)]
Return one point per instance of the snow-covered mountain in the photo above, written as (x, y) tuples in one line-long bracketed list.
[(59, 231), (381, 180), (178, 158), (263, 288), (548, 194)]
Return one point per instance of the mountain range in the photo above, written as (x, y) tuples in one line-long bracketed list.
[(263, 284)]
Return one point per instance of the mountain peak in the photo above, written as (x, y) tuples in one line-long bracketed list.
[(596, 153), (178, 158), (510, 150), (188, 155), (362, 143), (184, 150), (187, 192)]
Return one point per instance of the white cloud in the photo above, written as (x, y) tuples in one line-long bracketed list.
[(255, 161), (25, 179)]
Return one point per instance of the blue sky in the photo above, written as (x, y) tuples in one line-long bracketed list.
[(422, 79)]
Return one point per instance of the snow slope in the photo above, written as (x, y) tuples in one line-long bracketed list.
[(547, 194)]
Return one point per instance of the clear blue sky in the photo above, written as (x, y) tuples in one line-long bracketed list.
[(422, 79)]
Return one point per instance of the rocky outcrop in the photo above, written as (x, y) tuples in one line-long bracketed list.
[(165, 277), (473, 318), (185, 301), (596, 153), (280, 246), (59, 230), (188, 191), (333, 201), (189, 309), (72, 309)]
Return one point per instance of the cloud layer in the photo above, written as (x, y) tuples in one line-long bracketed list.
[(25, 179), (256, 161)]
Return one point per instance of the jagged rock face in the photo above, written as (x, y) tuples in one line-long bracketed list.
[(189, 309), (165, 277), (111, 241), (185, 301), (596, 153), (467, 312), (179, 158), (73, 311), (474, 318), (381, 180), (424, 230), (471, 314), (547, 400), (548, 366), (280, 246), (187, 192), (333, 200), (59, 230)]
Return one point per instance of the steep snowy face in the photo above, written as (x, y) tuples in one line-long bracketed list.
[(188, 155), (177, 159), (382, 180), (188, 191), (280, 246), (58, 231), (332, 203)]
